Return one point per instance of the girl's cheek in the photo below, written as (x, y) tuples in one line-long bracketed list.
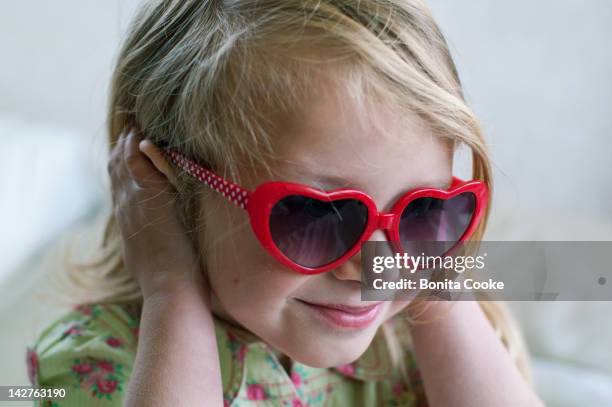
[(244, 276), (258, 283)]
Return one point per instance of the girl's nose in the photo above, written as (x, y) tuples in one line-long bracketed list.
[(351, 270)]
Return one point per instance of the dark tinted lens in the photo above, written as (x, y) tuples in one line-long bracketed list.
[(435, 220), (313, 233)]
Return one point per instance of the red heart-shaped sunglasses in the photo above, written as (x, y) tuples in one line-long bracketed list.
[(313, 231)]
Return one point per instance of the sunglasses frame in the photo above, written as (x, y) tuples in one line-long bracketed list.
[(259, 204)]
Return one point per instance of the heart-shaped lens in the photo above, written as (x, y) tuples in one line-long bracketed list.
[(430, 219), (313, 233)]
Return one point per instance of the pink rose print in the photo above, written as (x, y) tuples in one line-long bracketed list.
[(84, 309), (32, 364), (106, 386), (113, 342), (73, 330), (398, 388), (82, 368), (296, 378), (415, 376), (347, 369), (106, 366), (241, 353), (101, 377), (297, 403), (135, 332), (256, 392), (88, 310)]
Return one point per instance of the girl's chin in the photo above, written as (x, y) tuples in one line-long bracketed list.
[(323, 356), (322, 350)]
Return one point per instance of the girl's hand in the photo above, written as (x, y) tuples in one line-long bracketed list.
[(173, 365), (156, 247), (463, 362)]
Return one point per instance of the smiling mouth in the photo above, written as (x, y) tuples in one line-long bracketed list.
[(345, 316)]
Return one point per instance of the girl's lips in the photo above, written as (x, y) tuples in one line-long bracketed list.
[(346, 316)]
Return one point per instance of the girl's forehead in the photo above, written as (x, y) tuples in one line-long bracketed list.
[(332, 122), (336, 157), (332, 136), (337, 112), (335, 140)]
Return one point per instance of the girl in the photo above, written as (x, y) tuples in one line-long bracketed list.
[(226, 276)]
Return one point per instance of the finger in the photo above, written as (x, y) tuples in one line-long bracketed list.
[(141, 169), (157, 158)]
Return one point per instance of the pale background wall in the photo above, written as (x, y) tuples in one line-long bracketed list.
[(538, 74), (57, 58)]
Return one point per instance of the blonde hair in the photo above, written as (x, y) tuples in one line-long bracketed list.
[(206, 76)]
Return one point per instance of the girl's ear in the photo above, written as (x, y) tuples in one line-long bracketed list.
[(158, 159)]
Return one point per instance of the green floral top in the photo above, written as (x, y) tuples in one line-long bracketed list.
[(90, 352)]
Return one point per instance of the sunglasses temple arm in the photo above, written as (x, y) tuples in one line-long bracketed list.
[(233, 192)]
